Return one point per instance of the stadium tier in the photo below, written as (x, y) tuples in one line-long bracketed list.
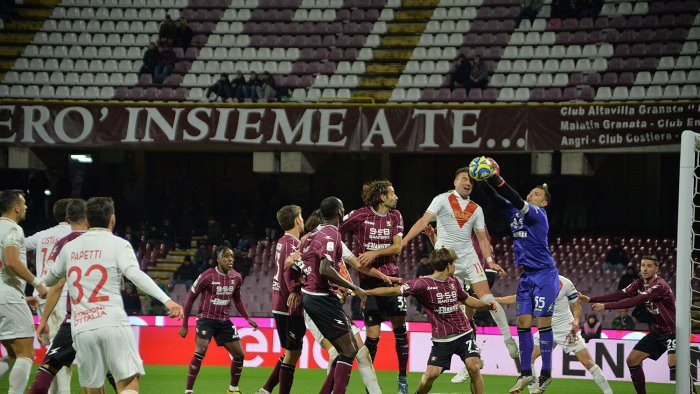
[(393, 50)]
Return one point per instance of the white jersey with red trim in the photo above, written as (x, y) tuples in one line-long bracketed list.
[(93, 265), (457, 218), (11, 285), (43, 243), (562, 316)]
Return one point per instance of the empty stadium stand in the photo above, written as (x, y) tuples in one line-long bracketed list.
[(395, 50)]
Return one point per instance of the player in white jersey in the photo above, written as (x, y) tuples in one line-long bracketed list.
[(102, 337), (42, 243), (565, 326), (16, 322), (457, 217)]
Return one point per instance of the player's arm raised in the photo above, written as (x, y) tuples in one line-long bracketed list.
[(501, 192), (327, 271), (418, 227)]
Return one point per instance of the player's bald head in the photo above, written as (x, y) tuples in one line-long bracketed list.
[(330, 207)]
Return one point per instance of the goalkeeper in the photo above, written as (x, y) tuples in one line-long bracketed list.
[(539, 283)]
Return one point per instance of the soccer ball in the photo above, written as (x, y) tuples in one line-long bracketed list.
[(480, 168)]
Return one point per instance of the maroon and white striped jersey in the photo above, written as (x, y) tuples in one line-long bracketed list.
[(323, 243), (657, 297), (286, 280), (373, 231), (53, 256), (217, 290), (440, 300)]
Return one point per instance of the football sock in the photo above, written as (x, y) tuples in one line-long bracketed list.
[(19, 375), (332, 354), (546, 345), (638, 379), (341, 374), (401, 336), (600, 380), (371, 344), (327, 387), (286, 378), (42, 382), (236, 369), (274, 377), (366, 369), (526, 345), (6, 364), (193, 370), (499, 316), (63, 378)]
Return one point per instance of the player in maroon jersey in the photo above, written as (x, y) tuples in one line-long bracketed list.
[(321, 254), (286, 305), (218, 286), (377, 230), (440, 295), (659, 300)]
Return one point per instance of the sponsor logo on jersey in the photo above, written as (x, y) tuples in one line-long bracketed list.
[(368, 222)]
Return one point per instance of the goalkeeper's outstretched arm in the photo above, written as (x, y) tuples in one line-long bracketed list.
[(501, 191)]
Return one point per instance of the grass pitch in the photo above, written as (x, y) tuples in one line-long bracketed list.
[(214, 380)]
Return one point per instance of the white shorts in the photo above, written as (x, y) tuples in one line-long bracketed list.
[(16, 321), (107, 349), (316, 333), (469, 269), (565, 339)]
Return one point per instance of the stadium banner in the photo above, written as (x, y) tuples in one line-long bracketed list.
[(262, 349), (385, 128)]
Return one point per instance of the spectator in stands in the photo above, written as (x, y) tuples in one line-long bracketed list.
[(167, 30), (201, 256), (165, 64), (215, 231), (251, 88), (460, 75), (479, 76), (131, 299), (221, 89), (563, 9), (591, 328), (627, 278), (242, 263), (185, 274), (239, 85), (616, 258), (623, 321), (530, 9), (183, 34), (589, 8), (151, 58), (157, 308), (211, 263)]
